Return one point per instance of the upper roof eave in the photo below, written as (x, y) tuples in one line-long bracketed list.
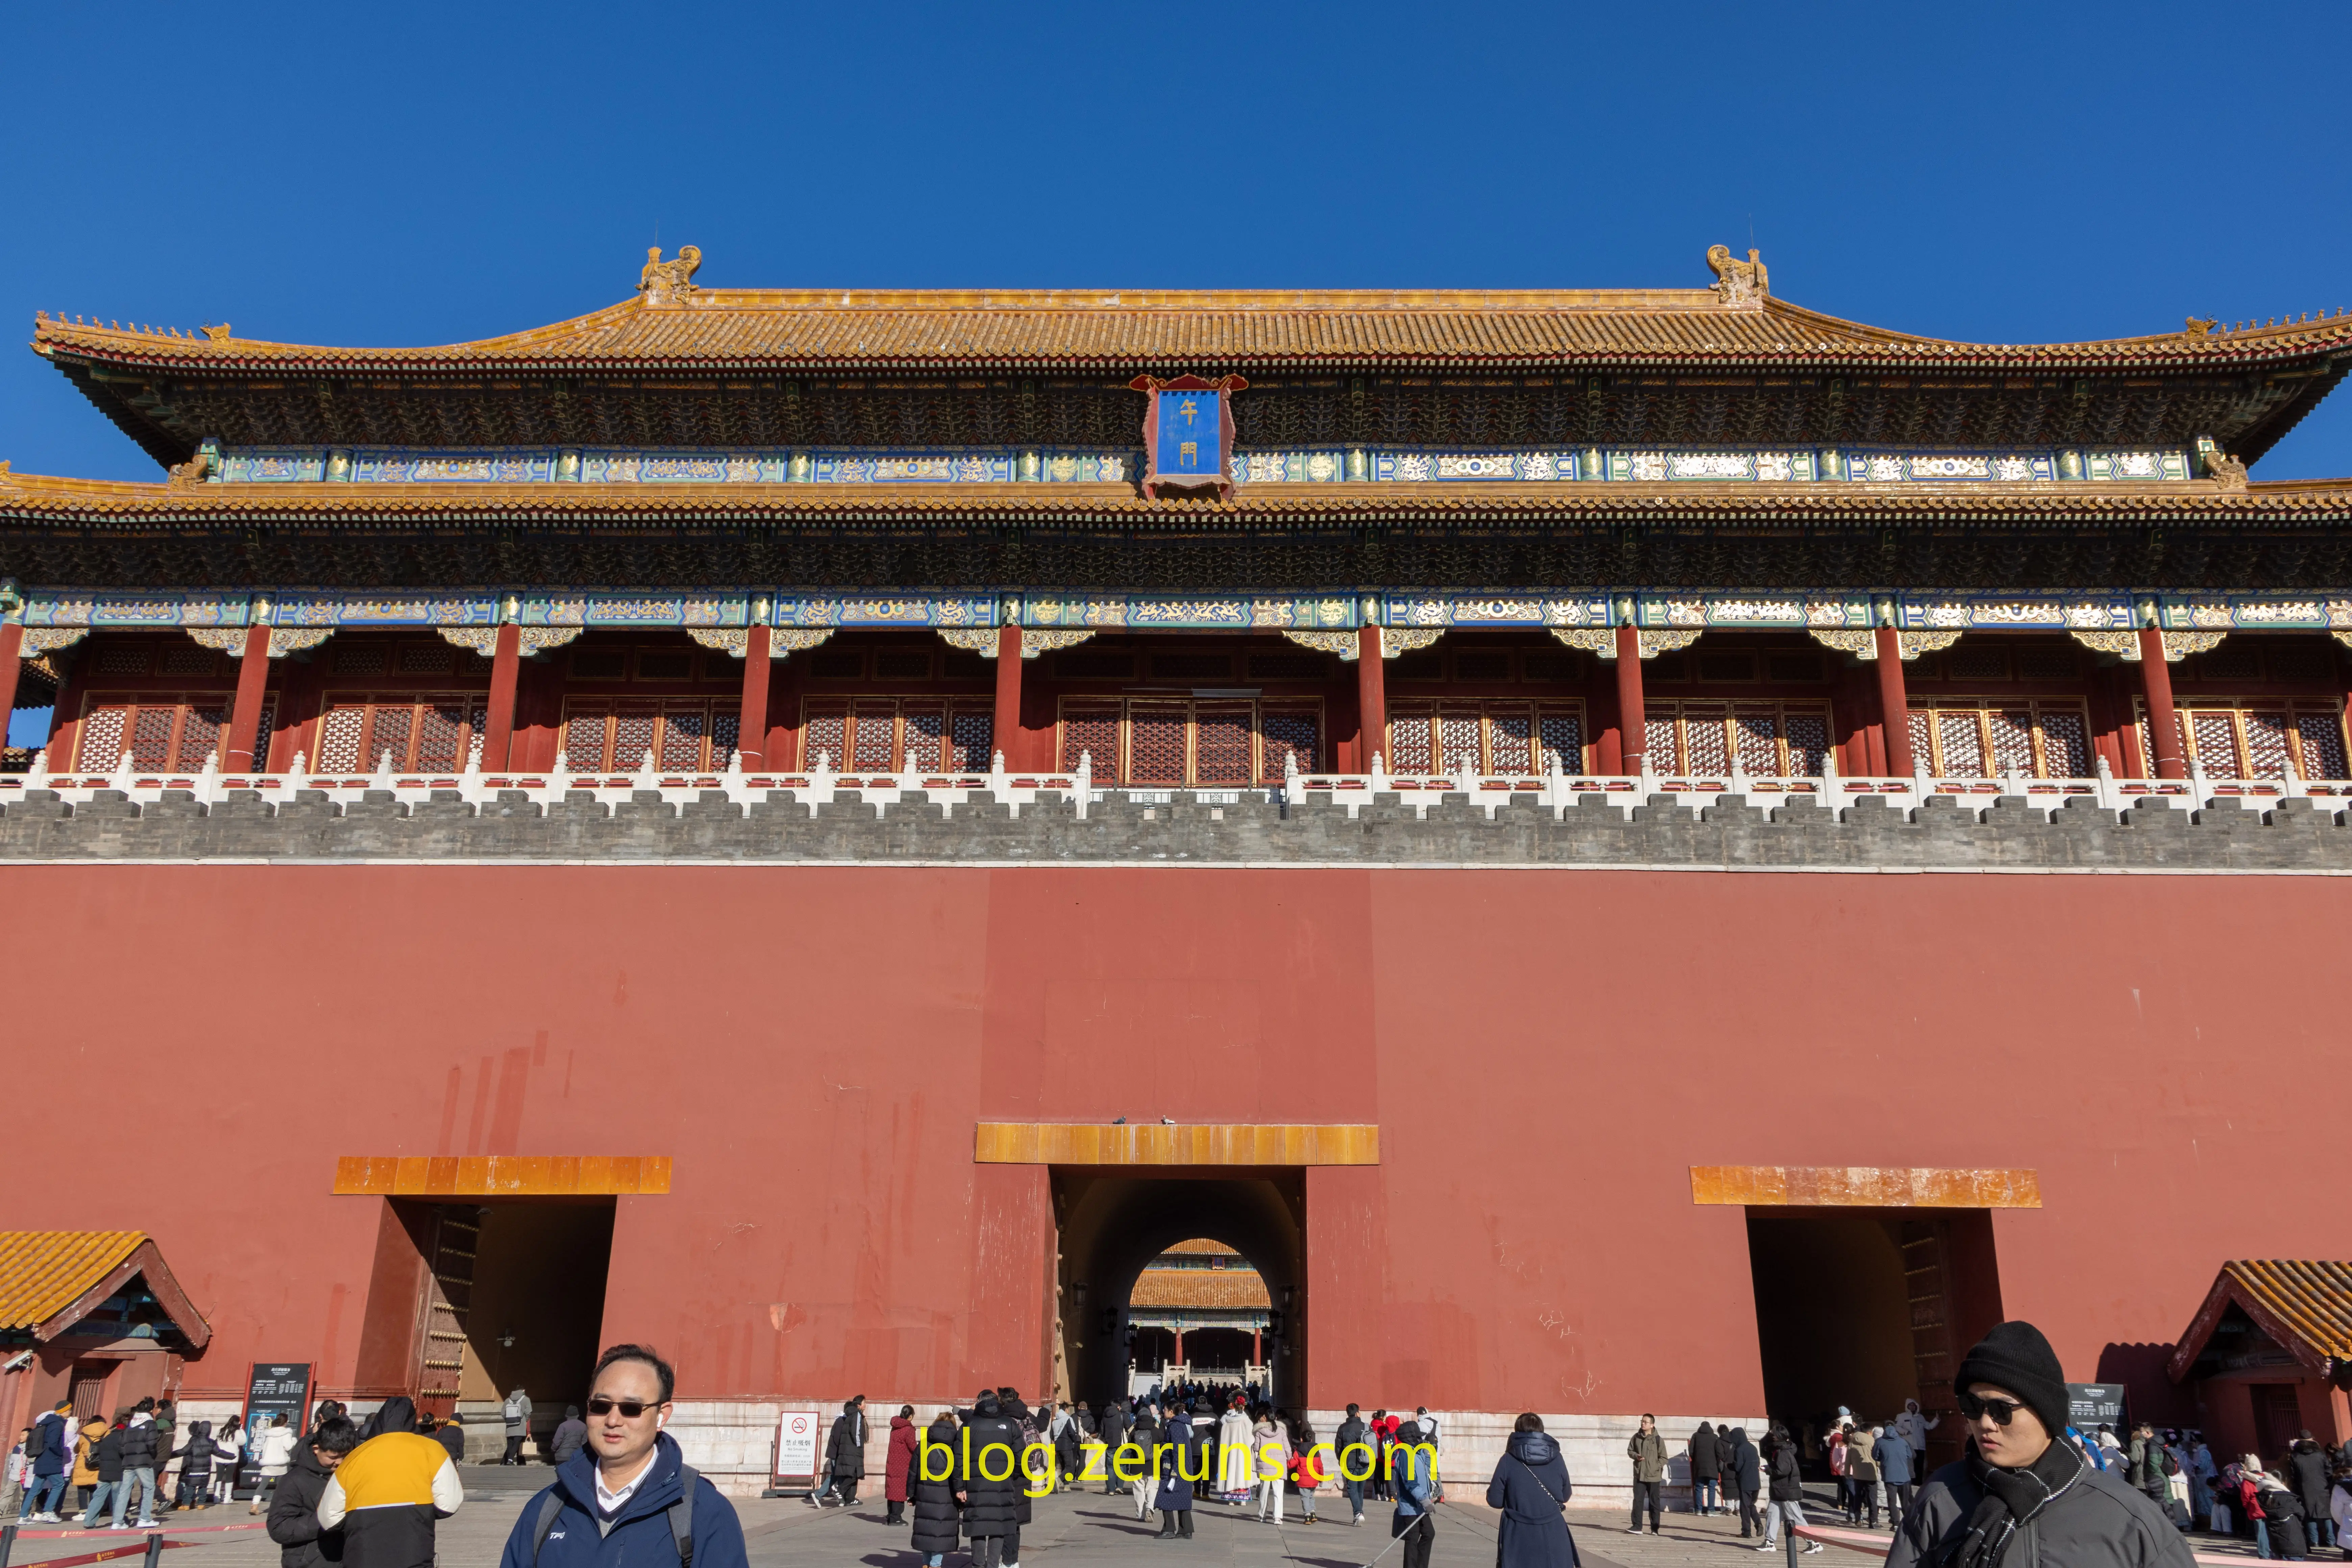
[(792, 330)]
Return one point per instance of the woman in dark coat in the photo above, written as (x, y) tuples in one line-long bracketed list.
[(1531, 1488), (991, 1511), (845, 1453), (938, 1504), (901, 1459), (1183, 1456)]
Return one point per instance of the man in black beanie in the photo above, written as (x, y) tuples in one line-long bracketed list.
[(2024, 1495)]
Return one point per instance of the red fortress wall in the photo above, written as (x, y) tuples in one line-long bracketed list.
[(1547, 1053)]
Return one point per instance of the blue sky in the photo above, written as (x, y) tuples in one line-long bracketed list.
[(351, 175)]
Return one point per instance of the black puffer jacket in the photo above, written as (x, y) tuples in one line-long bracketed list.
[(139, 1446), (294, 1514), (106, 1456), (1786, 1484), (990, 1507), (938, 1504)]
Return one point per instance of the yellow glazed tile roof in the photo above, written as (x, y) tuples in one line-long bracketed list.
[(871, 329), (1210, 1290), (42, 1272), (2311, 1300)]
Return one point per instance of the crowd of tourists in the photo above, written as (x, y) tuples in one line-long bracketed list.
[(369, 1494)]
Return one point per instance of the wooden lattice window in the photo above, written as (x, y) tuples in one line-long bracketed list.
[(420, 734), (2254, 737), (164, 732), (1492, 738), (682, 736), (885, 735), (1984, 738), (1769, 738), (1207, 744)]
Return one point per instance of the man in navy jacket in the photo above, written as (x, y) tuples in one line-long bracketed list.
[(617, 1499)]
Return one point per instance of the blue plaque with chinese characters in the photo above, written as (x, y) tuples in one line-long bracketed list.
[(1192, 429)]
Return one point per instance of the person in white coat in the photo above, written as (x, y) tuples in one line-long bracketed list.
[(1913, 1428), (1235, 1473), (271, 1455)]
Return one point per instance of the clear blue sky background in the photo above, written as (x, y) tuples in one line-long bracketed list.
[(349, 174)]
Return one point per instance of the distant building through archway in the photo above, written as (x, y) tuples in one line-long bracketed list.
[(1200, 1310)]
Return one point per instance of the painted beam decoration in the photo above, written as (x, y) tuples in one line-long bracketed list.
[(1198, 416), (1337, 609)]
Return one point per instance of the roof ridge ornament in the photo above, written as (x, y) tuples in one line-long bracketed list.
[(660, 281), (1740, 284), (2202, 326)]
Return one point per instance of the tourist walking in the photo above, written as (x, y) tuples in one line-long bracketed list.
[(1306, 1467), (2307, 1471), (451, 1435), (196, 1458), (139, 1462), (898, 1465), (1784, 1488), (1182, 1454), (517, 1412), (1530, 1486), (1862, 1465), (1432, 1434), (1142, 1438), (85, 1465), (2144, 1466), (1235, 1475), (629, 1497), (388, 1492), (271, 1455), (845, 1456), (1415, 1487), (1836, 1446), (991, 1440), (1112, 1429), (1703, 1467), (293, 1521), (1008, 1399), (1747, 1480), (1269, 1462), (1647, 1449), (106, 1463), (571, 1436), (939, 1504), (2022, 1484), (1894, 1456), (1353, 1453)]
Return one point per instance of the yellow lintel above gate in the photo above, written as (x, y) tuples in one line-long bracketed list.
[(1866, 1186), (1186, 1143)]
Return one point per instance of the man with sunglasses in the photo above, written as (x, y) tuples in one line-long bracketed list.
[(629, 1495), (2024, 1496)]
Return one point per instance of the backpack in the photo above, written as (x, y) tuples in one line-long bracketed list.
[(681, 1519)]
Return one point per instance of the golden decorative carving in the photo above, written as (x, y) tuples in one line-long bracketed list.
[(1738, 282), (657, 277), (1602, 640), (45, 639), (217, 334), (1863, 645), (1344, 643), (2199, 326), (284, 640), (220, 639), (786, 640), (190, 474), (2228, 473), (2125, 645), (529, 640), (982, 640), (1395, 641)]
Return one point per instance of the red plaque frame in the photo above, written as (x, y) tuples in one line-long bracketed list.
[(1226, 385)]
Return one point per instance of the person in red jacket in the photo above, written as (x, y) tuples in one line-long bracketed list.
[(1306, 1466), (896, 1477)]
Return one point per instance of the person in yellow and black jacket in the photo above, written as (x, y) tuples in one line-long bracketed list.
[(388, 1492)]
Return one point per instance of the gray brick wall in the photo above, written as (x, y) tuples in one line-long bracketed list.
[(2298, 834)]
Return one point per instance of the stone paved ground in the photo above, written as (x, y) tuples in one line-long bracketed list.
[(1082, 1529)]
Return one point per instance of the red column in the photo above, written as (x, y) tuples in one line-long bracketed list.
[(1004, 734), (1894, 706), (751, 729), (1632, 722), (2163, 723), (1258, 1351), (1371, 697), (244, 718), (498, 730), (12, 640), (1180, 1346)]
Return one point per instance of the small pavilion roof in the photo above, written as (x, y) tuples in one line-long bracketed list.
[(52, 1279), (1222, 1290), (853, 330), (2305, 1307)]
